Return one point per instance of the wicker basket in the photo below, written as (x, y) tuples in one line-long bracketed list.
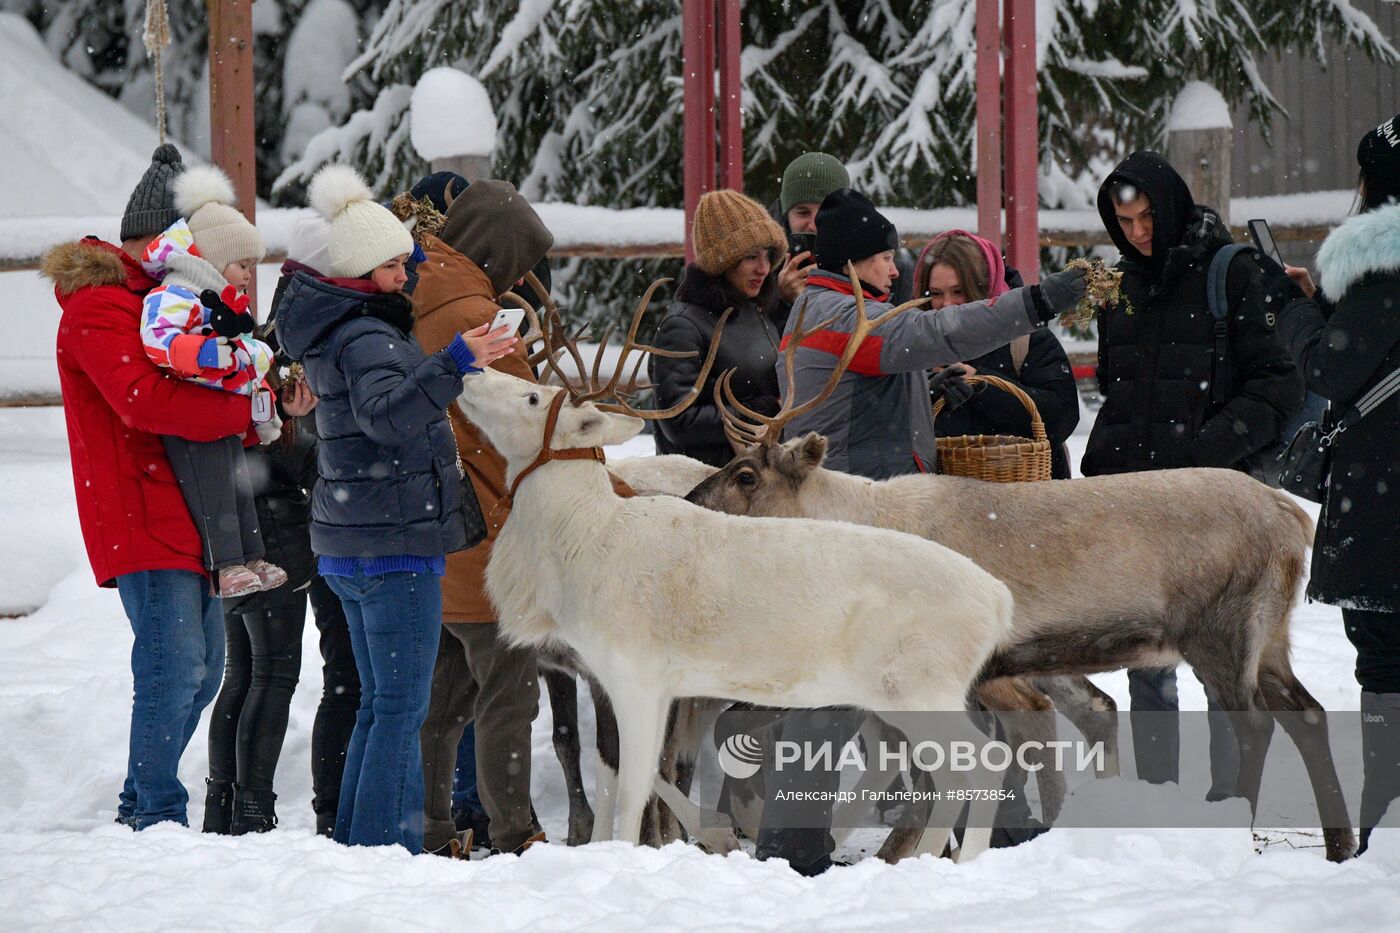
[(997, 458)]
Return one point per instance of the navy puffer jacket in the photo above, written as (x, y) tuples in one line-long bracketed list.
[(390, 483)]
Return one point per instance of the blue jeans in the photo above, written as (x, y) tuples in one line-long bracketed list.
[(177, 659), (464, 795), (394, 621), (1157, 739)]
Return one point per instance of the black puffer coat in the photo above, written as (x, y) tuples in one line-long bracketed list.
[(1345, 348), (390, 484), (749, 345), (1155, 360)]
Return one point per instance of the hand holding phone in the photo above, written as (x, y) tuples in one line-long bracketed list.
[(799, 243)]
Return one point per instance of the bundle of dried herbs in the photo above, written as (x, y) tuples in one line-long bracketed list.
[(1103, 288)]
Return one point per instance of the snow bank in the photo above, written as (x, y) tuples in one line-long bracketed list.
[(66, 147), (452, 116), (1199, 106)]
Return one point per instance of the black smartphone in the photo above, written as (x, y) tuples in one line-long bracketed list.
[(802, 243), (1259, 230)]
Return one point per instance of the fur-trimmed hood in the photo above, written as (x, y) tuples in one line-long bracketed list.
[(91, 262), (1362, 245)]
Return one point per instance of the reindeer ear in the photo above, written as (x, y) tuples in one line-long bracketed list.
[(799, 457), (593, 428)]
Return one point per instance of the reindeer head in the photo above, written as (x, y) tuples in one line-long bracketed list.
[(766, 476), (765, 479), (512, 413)]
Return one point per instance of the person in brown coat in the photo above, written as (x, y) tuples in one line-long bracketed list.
[(491, 238)]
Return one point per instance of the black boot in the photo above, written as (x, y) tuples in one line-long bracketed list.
[(253, 810), (1380, 746), (218, 806)]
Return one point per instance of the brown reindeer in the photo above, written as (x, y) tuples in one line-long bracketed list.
[(1200, 565)]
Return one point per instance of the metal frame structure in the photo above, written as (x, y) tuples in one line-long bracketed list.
[(1007, 131)]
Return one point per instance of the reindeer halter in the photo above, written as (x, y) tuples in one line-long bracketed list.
[(547, 453)]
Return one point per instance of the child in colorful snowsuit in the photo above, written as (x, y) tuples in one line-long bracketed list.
[(197, 324)]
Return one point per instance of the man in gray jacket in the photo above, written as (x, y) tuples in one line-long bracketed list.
[(878, 422)]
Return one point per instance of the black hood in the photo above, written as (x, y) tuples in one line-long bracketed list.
[(1172, 205)]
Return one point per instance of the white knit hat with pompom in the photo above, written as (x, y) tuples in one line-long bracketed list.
[(364, 234), (204, 197)]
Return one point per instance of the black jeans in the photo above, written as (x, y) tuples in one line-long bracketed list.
[(340, 700), (262, 658), (1376, 637)]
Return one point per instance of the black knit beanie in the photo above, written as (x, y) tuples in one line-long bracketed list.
[(1379, 158), (850, 229), (441, 188), (152, 205)]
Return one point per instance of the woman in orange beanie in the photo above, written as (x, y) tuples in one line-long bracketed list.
[(737, 247)]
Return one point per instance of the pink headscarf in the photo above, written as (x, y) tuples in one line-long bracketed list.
[(996, 266)]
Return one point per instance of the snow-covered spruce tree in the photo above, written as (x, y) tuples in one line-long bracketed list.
[(588, 93)]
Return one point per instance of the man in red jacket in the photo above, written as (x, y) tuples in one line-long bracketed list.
[(139, 534)]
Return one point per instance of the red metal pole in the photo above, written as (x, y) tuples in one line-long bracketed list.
[(231, 133), (1022, 141), (731, 125), (698, 90), (989, 120)]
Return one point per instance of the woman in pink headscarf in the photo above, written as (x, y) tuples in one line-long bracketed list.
[(957, 267)]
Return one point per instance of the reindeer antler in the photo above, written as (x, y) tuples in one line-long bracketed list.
[(755, 428), (589, 385)]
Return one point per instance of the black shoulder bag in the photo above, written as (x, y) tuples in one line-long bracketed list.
[(1304, 465)]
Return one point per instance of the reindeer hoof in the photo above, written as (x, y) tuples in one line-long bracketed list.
[(717, 840), (580, 832), (1341, 844)]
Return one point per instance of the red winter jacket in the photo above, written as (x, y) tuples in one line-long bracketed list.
[(117, 404)]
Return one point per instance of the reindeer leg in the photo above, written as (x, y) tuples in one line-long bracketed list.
[(1306, 724), (641, 724), (1090, 710), (605, 786), (563, 702), (709, 828)]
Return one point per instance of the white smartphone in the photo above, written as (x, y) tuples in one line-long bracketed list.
[(509, 317)]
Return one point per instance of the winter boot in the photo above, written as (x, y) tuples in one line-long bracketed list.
[(1380, 749), (458, 847), (253, 810), (468, 819), (218, 806)]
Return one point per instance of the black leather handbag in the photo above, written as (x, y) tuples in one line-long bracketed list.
[(1304, 465)]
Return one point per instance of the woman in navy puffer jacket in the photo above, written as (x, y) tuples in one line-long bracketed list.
[(391, 502)]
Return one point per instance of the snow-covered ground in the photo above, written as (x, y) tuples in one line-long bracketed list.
[(65, 698)]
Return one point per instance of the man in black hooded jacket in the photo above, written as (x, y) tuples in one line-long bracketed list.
[(1168, 402)]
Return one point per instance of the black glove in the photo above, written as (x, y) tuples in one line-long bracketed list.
[(1058, 292), (225, 321), (949, 385)]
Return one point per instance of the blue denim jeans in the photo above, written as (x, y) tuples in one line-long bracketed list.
[(1157, 738), (464, 795), (394, 622), (177, 659)]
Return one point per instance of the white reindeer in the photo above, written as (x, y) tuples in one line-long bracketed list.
[(661, 599)]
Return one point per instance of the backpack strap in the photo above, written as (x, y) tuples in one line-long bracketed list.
[(1219, 304)]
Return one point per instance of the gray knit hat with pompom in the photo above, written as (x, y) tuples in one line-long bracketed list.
[(151, 208)]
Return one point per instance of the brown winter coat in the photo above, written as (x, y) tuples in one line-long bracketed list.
[(454, 295)]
